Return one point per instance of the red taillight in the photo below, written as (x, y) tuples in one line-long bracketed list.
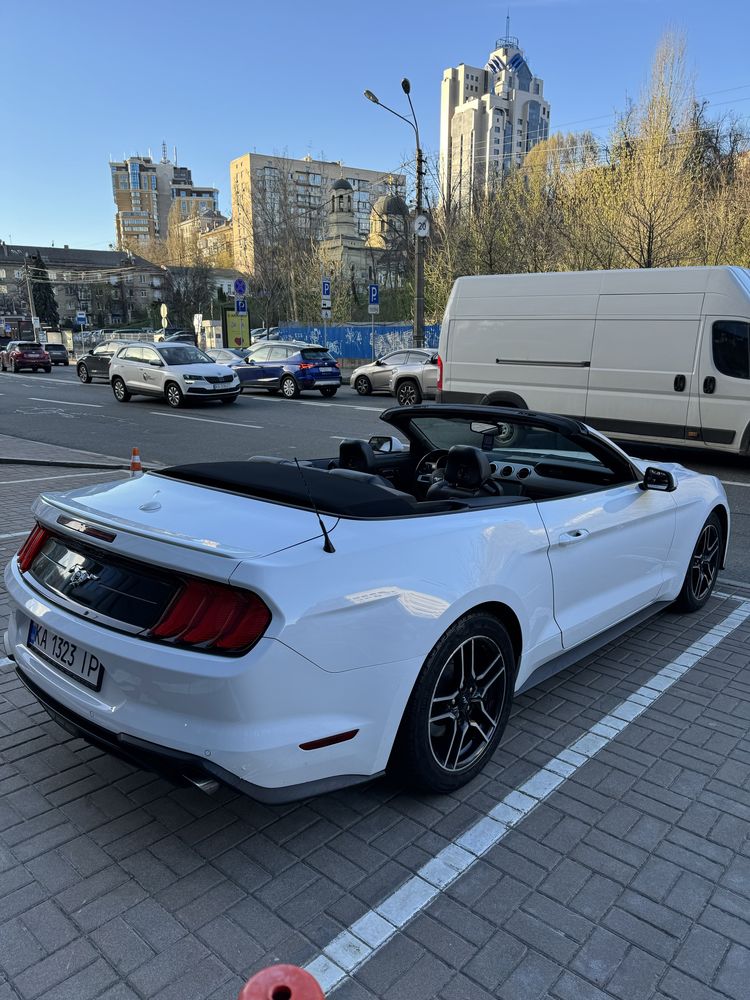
[(440, 372), (303, 365), (30, 548), (213, 616)]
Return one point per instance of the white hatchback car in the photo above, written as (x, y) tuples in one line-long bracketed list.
[(379, 609), (175, 372)]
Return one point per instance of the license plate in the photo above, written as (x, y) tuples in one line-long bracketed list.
[(67, 656), (329, 369)]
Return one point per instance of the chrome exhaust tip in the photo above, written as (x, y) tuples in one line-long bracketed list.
[(207, 785)]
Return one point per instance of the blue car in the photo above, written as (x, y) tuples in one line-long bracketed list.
[(289, 369)]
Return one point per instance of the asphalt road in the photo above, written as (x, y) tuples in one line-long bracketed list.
[(57, 409)]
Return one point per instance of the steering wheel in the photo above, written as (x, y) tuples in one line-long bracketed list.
[(428, 467)]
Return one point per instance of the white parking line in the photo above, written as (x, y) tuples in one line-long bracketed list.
[(355, 946), (35, 378), (62, 402), (732, 482), (206, 420), (14, 534), (66, 475)]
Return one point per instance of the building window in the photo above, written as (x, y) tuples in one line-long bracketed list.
[(2, 272)]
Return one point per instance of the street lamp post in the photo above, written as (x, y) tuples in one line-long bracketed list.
[(418, 240)]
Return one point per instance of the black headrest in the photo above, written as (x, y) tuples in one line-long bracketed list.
[(357, 455), (467, 467)]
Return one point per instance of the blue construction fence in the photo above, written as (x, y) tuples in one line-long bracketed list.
[(354, 341)]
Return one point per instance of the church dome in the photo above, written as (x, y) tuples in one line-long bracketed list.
[(390, 204), (342, 185)]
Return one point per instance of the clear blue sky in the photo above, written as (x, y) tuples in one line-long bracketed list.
[(86, 79)]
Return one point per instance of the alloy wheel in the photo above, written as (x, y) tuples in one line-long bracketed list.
[(408, 394), (467, 703), (705, 562), (362, 385), (174, 396)]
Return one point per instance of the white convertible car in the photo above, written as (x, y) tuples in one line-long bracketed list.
[(380, 611)]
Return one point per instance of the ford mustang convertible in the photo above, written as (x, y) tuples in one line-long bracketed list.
[(380, 611)]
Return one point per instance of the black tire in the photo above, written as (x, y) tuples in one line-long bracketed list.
[(14, 368), (289, 387), (83, 374), (448, 688), (48, 369), (226, 400), (363, 385), (173, 395), (120, 390), (408, 393), (703, 568), (329, 391), (66, 363)]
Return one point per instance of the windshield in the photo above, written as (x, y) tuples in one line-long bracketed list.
[(503, 441), (184, 354)]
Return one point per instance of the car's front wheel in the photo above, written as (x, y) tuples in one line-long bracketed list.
[(120, 390), (408, 393), (173, 395), (14, 368), (459, 706), (363, 385), (705, 562), (289, 387), (83, 374), (329, 390)]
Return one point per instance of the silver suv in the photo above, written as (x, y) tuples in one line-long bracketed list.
[(416, 380), (376, 376), (175, 372)]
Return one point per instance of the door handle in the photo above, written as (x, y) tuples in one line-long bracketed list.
[(709, 384), (679, 383), (576, 535)]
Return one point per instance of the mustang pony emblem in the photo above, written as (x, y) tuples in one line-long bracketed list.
[(81, 576)]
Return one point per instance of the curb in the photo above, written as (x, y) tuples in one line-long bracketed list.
[(73, 465)]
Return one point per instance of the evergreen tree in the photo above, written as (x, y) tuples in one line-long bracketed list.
[(45, 302)]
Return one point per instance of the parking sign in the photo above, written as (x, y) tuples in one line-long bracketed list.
[(373, 296), (325, 293)]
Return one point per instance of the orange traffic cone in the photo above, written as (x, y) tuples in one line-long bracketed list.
[(136, 469), (287, 982)]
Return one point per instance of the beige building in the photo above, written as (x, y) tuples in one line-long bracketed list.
[(490, 117), (268, 191), (208, 237), (146, 192)]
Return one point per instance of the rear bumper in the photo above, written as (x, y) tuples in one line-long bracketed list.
[(318, 383)]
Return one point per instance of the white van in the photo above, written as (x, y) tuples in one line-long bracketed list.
[(657, 355)]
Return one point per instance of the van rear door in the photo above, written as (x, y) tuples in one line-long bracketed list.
[(643, 364), (724, 384)]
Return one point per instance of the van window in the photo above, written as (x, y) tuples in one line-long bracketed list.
[(730, 341)]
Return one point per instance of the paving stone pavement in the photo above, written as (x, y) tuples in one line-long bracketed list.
[(630, 882)]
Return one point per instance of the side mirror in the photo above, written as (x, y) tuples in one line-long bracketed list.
[(91, 350), (379, 362), (658, 479), (383, 444), (156, 364)]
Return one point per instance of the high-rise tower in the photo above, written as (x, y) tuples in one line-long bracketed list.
[(490, 117)]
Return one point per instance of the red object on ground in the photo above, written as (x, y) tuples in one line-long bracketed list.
[(282, 982)]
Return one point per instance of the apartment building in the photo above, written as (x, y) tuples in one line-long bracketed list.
[(269, 191), (490, 117), (110, 286), (146, 191)]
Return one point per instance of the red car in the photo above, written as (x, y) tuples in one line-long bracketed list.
[(24, 354)]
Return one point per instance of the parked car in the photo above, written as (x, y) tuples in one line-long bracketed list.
[(259, 333), (95, 364), (375, 376), (378, 610), (176, 372), (658, 354), (416, 380), (290, 368), (20, 354), (182, 337), (230, 356), (58, 354)]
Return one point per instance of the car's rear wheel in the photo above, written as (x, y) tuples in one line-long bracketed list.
[(329, 390), (14, 367), (459, 706), (408, 393), (703, 569), (173, 395), (363, 385), (83, 374), (289, 387), (66, 362), (120, 390), (48, 368)]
